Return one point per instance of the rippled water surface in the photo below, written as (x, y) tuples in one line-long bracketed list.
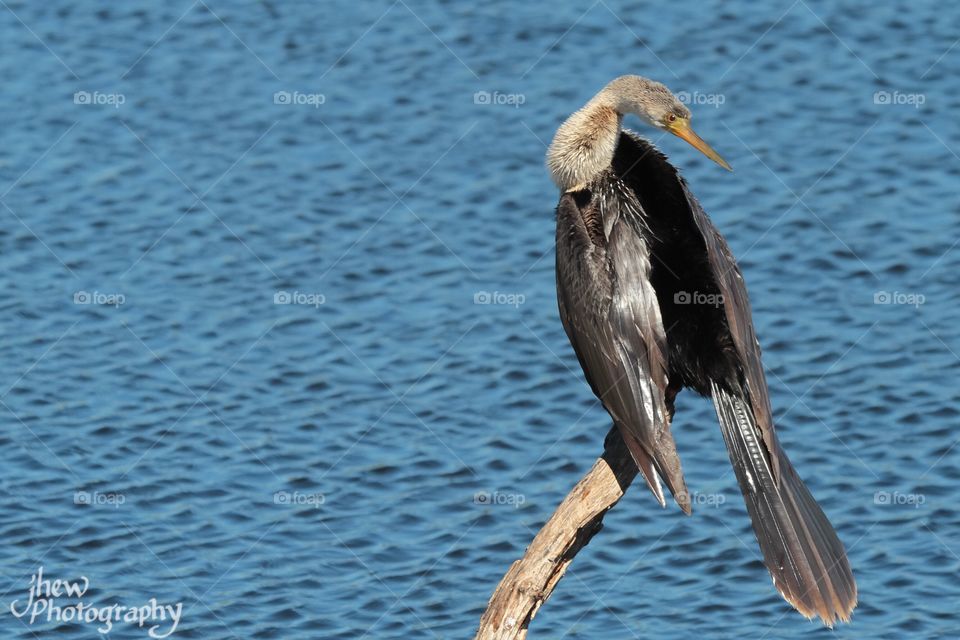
[(169, 171)]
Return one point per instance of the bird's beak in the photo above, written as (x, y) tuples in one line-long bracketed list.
[(681, 129)]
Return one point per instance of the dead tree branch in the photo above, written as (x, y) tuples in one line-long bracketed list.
[(530, 580)]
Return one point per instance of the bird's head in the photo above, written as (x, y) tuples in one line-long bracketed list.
[(659, 108)]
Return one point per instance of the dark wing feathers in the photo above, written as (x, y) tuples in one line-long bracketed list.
[(736, 305), (800, 548), (610, 313), (643, 158)]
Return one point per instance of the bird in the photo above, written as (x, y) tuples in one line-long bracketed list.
[(653, 302)]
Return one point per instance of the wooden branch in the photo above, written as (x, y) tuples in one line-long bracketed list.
[(530, 580)]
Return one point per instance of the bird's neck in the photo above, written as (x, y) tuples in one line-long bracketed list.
[(584, 145)]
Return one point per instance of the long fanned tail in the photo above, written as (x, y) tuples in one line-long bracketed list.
[(800, 548)]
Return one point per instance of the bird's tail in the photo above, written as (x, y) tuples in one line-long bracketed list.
[(800, 548)]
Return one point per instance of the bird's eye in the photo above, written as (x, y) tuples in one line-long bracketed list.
[(672, 117)]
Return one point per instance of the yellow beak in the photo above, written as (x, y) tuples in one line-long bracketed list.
[(681, 129)]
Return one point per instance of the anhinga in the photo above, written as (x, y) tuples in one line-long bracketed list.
[(652, 301)]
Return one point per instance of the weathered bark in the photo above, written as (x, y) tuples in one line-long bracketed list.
[(530, 580)]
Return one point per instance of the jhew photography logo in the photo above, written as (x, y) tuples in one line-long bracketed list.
[(60, 601)]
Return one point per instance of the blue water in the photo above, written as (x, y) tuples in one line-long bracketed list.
[(309, 470)]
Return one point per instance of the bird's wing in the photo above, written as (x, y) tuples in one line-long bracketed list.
[(736, 306), (610, 312), (643, 159)]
